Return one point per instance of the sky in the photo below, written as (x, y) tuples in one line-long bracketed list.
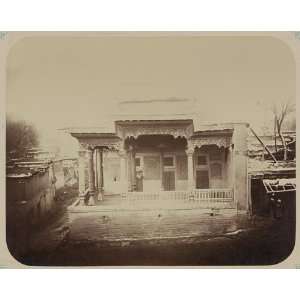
[(66, 81)]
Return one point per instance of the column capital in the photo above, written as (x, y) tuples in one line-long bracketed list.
[(131, 148), (190, 148), (122, 153), (85, 146), (90, 149), (190, 151), (81, 152)]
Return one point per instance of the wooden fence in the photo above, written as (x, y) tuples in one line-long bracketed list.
[(207, 197)]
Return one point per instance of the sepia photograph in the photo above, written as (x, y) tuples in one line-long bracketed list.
[(150, 149)]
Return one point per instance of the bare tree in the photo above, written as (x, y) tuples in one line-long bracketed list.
[(280, 112), (20, 136)]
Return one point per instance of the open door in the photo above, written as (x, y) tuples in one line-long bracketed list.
[(169, 180), (202, 179)]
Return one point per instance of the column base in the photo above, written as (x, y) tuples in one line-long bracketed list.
[(191, 195), (91, 200), (100, 196), (82, 200)]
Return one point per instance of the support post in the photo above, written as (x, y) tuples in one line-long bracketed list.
[(81, 175), (133, 171), (123, 180), (96, 168), (190, 153), (129, 168), (161, 169), (99, 154), (91, 178), (190, 157)]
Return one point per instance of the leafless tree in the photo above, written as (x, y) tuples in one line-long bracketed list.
[(280, 112), (20, 136)]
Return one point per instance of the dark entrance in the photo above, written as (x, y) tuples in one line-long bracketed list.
[(139, 181), (202, 179), (169, 180)]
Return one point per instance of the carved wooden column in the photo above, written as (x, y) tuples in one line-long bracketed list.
[(91, 200), (129, 170), (123, 179), (101, 179), (133, 171), (161, 169), (230, 167), (99, 154), (96, 168), (190, 154), (81, 175), (161, 153)]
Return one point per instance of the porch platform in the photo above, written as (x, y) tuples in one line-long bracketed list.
[(115, 224), (140, 215), (211, 199), (116, 203)]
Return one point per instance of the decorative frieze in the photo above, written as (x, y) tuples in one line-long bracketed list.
[(219, 141), (176, 130), (113, 144)]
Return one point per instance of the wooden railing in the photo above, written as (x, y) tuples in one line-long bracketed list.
[(218, 195), (203, 195)]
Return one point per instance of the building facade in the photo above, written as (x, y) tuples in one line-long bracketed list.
[(163, 158)]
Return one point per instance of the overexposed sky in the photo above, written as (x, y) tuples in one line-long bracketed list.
[(69, 81)]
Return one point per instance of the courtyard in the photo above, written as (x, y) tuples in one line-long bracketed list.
[(157, 238)]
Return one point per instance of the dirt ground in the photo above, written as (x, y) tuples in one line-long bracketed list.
[(264, 241)]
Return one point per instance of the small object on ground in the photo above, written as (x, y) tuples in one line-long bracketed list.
[(235, 232)]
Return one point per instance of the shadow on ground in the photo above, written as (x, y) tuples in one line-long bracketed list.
[(264, 241)]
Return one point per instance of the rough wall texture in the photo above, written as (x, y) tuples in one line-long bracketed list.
[(28, 202), (240, 164)]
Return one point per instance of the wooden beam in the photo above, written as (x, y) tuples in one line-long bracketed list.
[(265, 147)]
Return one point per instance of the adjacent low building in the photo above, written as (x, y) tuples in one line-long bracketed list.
[(30, 193)]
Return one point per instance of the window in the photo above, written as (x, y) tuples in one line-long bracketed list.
[(201, 160), (216, 170), (137, 161), (216, 155), (168, 161), (151, 167)]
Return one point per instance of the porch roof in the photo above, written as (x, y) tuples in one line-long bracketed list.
[(149, 111), (109, 129)]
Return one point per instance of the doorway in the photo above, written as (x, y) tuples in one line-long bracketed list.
[(202, 179), (139, 182), (169, 180)]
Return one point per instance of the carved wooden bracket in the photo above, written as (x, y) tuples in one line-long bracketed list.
[(219, 141), (110, 144)]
